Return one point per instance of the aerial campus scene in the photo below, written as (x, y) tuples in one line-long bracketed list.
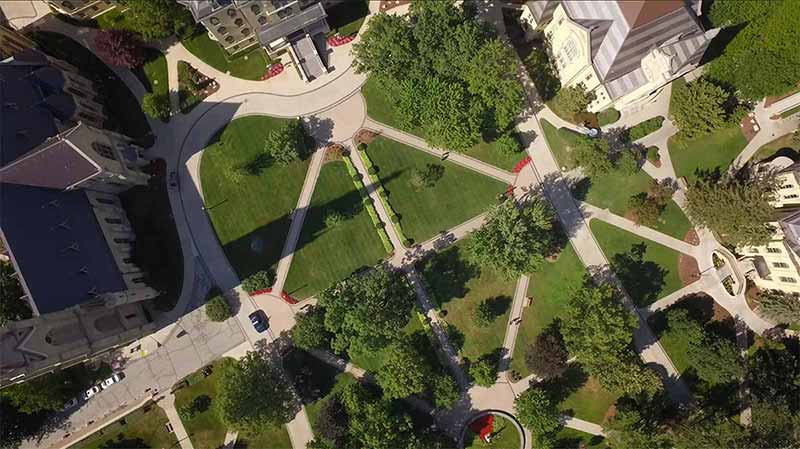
[(400, 224)]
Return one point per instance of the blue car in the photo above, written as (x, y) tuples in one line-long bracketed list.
[(259, 320)]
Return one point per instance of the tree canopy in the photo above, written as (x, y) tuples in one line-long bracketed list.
[(12, 306), (120, 48), (698, 108), (718, 205), (45, 393), (404, 372), (780, 306), (218, 309), (158, 19), (514, 240), (288, 143), (309, 330), (539, 414)]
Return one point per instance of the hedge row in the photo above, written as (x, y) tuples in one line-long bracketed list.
[(373, 213), (644, 128), (393, 217)]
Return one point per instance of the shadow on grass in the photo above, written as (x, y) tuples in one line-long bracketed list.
[(560, 388), (643, 279), (447, 273)]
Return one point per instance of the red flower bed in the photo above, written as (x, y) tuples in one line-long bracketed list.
[(521, 164), (287, 298), (274, 70), (335, 41), (483, 426), (261, 292)]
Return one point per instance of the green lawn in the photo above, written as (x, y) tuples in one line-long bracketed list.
[(458, 196), (551, 289), (379, 108), (147, 423), (459, 289), (646, 277), (249, 65), (580, 395), (790, 112), (122, 109), (504, 436), (153, 74), (782, 146), (714, 151), (205, 429), (575, 439), (327, 255), (251, 216), (275, 437), (114, 19), (559, 142), (346, 17), (613, 191), (607, 117)]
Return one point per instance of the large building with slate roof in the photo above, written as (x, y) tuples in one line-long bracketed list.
[(61, 222), (623, 51)]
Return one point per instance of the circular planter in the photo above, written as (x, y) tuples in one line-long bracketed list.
[(508, 433)]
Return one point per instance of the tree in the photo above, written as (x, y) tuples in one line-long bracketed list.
[(309, 329), (508, 143), (492, 76), (367, 309), (538, 414), (333, 421), (483, 371), (252, 393), (287, 144), (445, 392), (592, 156), (12, 305), (543, 73), (514, 239), (386, 48), (572, 100), (703, 430), (157, 19), (679, 323), (628, 163), (334, 218), (157, 106), (404, 371), (715, 360), (45, 393), (698, 108), (450, 117), (773, 427), (719, 205), (374, 422), (773, 373), (259, 280), (427, 177), (120, 48), (635, 426), (645, 208), (548, 356), (779, 306), (18, 426), (217, 309), (483, 315)]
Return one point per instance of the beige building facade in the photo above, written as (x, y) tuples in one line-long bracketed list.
[(13, 42), (82, 9)]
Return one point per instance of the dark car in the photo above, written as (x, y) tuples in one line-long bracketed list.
[(259, 320)]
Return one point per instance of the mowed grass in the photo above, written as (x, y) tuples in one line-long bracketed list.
[(551, 289), (268, 438), (458, 293), (379, 108), (580, 395), (785, 145), (575, 439), (646, 279), (147, 423), (250, 217), (613, 190), (249, 65), (560, 144), (505, 436), (458, 196), (327, 255), (205, 429), (715, 151), (153, 74)]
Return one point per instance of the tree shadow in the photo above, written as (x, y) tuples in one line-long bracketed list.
[(643, 279), (560, 388), (447, 273), (717, 46), (557, 190), (319, 129), (312, 378), (499, 305)]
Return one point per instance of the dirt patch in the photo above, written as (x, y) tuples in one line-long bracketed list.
[(747, 126), (688, 270), (691, 237), (720, 314), (610, 413), (333, 153), (365, 136)]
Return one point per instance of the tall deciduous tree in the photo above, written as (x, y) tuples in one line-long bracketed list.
[(572, 100), (538, 413), (386, 48), (374, 423), (333, 422), (288, 143), (120, 48), (48, 392), (254, 393), (780, 306), (445, 391), (592, 155), (404, 372), (309, 330), (157, 19), (514, 239), (718, 205), (492, 76), (698, 108), (548, 356), (12, 306), (367, 309), (715, 360), (774, 376)]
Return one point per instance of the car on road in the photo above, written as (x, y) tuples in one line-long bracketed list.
[(70, 404), (92, 391), (116, 377), (259, 320)]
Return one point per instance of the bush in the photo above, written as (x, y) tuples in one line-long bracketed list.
[(547, 356), (357, 177), (607, 117), (483, 372), (259, 281), (628, 163), (362, 146), (367, 200), (333, 218), (445, 392), (407, 242), (644, 128), (372, 170), (387, 242), (395, 218), (508, 143), (382, 193), (379, 225), (483, 315), (543, 73), (571, 101), (156, 106), (653, 155), (217, 309)]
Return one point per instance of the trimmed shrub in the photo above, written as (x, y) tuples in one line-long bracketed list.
[(367, 200), (372, 170), (395, 218), (508, 143), (407, 242), (217, 309), (652, 155), (387, 242), (259, 281), (380, 225), (645, 128), (156, 106), (362, 146)]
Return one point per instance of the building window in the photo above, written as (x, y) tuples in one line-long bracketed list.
[(238, 22), (754, 250), (780, 264), (791, 196), (262, 20), (121, 241), (231, 12), (127, 260), (229, 39), (103, 150), (222, 30), (786, 186), (588, 77), (773, 250), (788, 280), (113, 221), (245, 31), (256, 9), (104, 201), (138, 280), (213, 21)]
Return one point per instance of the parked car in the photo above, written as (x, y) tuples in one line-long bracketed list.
[(259, 320), (173, 179), (92, 391), (116, 377), (70, 404)]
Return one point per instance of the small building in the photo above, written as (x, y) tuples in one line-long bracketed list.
[(82, 9), (277, 25), (623, 51), (61, 220)]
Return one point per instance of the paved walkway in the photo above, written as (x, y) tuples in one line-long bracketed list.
[(168, 404), (514, 322)]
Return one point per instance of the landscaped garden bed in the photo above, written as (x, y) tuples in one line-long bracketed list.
[(458, 287), (647, 270), (249, 64), (492, 431), (644, 129), (337, 238), (250, 229), (193, 86), (457, 196)]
